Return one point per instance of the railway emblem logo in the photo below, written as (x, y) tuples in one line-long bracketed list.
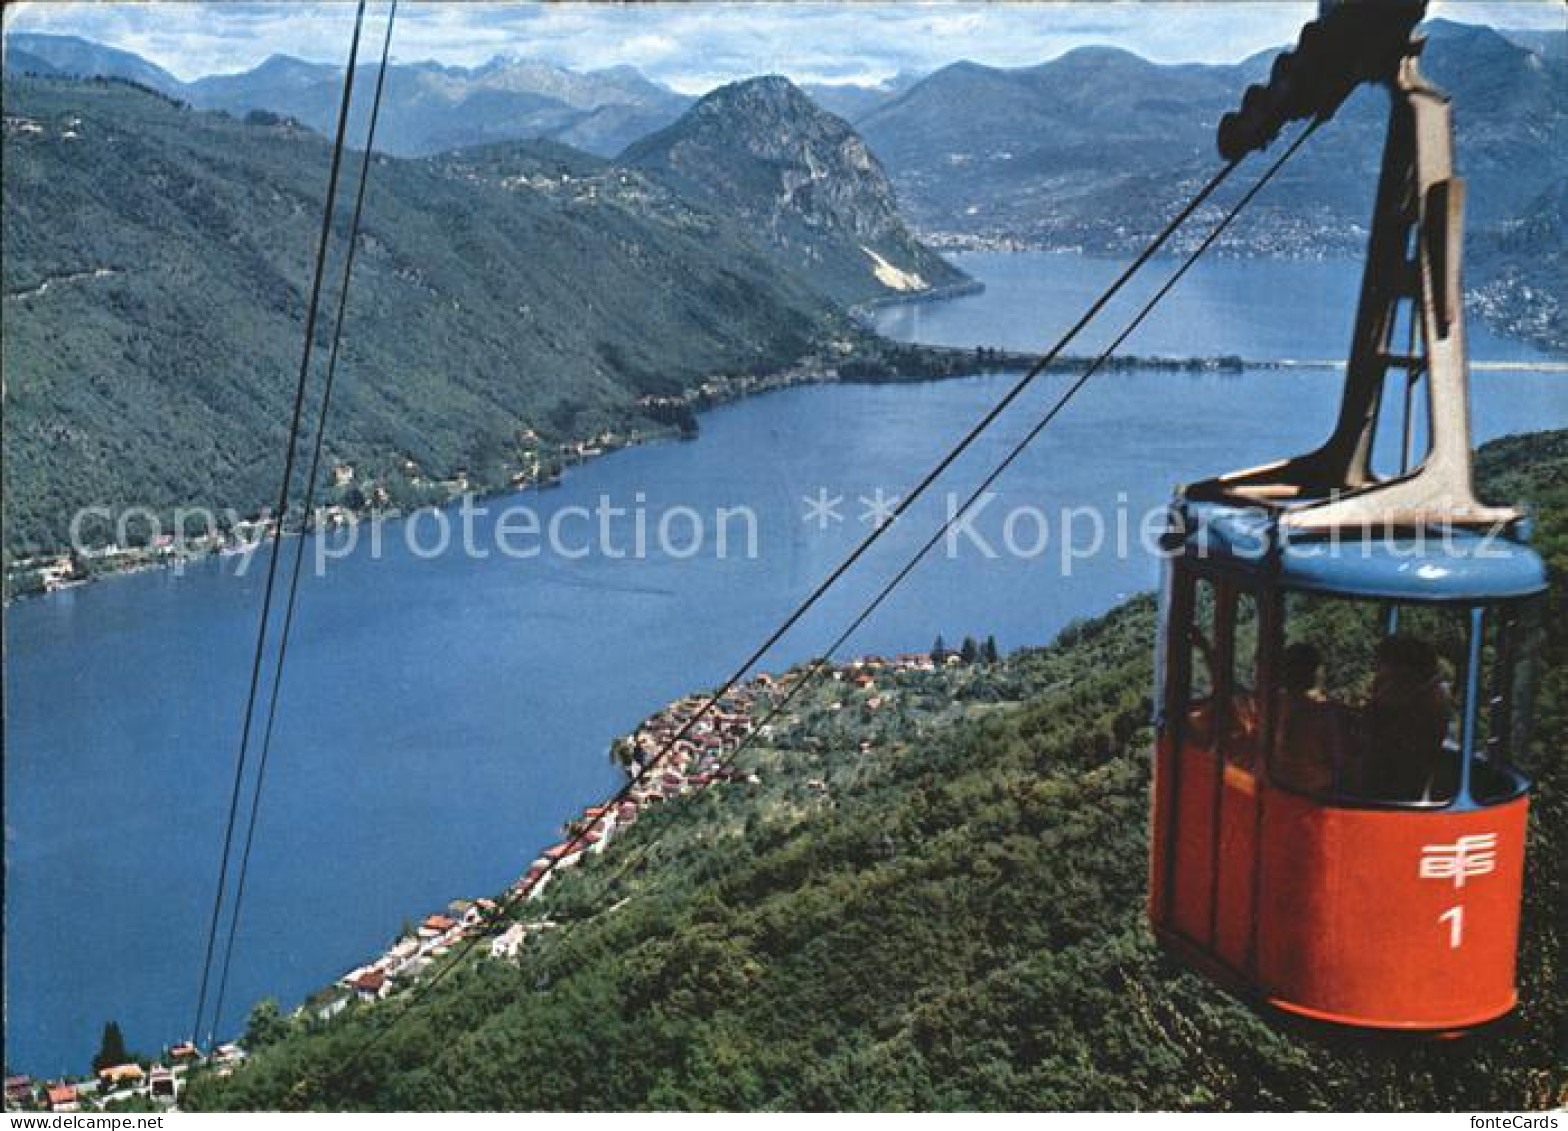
[(1474, 855)]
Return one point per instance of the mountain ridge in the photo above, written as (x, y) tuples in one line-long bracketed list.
[(430, 107), (1092, 148), (489, 307), (84, 58), (1095, 149), (762, 150)]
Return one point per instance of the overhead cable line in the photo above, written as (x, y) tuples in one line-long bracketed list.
[(306, 503), (919, 489), (821, 662), (577, 840), (284, 492)]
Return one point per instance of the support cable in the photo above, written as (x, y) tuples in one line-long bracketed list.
[(282, 513), (307, 502), (822, 662), (577, 840)]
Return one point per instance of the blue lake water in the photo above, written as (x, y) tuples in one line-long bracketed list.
[(1258, 309), (441, 717)]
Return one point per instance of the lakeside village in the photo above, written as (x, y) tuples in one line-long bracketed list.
[(355, 493), (698, 761)]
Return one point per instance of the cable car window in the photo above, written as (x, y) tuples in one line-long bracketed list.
[(1373, 700), (1311, 753), (1509, 670), (1407, 720), (1221, 671), (1202, 664), (1242, 743), (1244, 648), (1201, 639)]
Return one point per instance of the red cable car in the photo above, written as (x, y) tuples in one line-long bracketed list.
[(1345, 656)]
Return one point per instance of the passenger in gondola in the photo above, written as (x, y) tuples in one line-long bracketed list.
[(1405, 723), (1311, 727)]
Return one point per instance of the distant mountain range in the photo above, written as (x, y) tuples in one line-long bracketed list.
[(427, 107), (853, 101), (761, 150), (432, 107), (66, 55), (1098, 147), (1092, 149)]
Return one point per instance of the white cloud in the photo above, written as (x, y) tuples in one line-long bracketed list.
[(650, 47)]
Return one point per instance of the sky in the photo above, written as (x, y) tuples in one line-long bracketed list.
[(696, 46)]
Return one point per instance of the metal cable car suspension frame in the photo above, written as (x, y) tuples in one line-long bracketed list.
[(1413, 262)]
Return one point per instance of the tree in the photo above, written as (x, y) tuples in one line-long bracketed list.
[(111, 1050), (939, 650), (266, 1025), (970, 652), (989, 652)]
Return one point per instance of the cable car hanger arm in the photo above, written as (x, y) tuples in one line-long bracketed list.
[(1419, 205)]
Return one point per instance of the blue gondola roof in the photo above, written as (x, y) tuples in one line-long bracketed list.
[(1440, 565)]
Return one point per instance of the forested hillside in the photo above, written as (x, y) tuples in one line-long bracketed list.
[(933, 900), (156, 274)]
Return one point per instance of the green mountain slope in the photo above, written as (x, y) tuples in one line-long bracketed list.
[(155, 278), (936, 902)]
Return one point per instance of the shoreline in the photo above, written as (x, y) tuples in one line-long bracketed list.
[(885, 361), (1534, 326), (696, 763), (969, 286), (893, 363)]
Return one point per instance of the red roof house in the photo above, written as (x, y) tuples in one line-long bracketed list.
[(371, 984)]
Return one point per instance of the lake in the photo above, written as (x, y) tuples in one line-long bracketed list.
[(1257, 309), (443, 715)]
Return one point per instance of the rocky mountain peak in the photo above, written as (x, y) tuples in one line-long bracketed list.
[(763, 150)]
